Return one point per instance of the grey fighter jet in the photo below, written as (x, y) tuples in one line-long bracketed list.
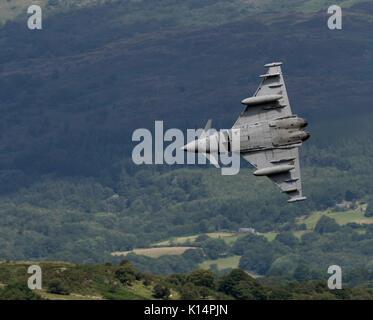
[(270, 135)]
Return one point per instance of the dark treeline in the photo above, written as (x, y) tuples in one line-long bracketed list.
[(71, 100), (123, 281)]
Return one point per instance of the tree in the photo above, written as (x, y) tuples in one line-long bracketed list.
[(125, 262), (258, 259), (279, 293), (227, 282), (161, 292), (248, 241), (326, 224), (203, 226), (56, 287), (287, 238), (309, 238), (302, 273), (189, 292), (194, 255), (17, 291), (204, 292), (202, 277), (214, 248), (241, 286), (350, 196), (369, 209), (202, 238), (250, 290), (282, 265), (126, 274), (177, 279)]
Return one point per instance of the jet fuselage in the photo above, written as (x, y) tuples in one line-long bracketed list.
[(262, 135)]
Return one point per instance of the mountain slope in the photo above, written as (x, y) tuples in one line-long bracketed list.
[(185, 12), (67, 281), (70, 101), (71, 97)]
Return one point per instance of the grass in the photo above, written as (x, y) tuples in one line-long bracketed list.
[(342, 217), (222, 263), (138, 288), (228, 237), (270, 236), (178, 240), (155, 252), (300, 233), (83, 282), (52, 296), (232, 239)]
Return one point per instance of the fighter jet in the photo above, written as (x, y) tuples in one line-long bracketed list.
[(270, 135)]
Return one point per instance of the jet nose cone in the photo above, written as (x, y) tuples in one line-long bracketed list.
[(189, 147)]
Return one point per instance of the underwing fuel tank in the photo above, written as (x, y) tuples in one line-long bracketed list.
[(261, 99), (273, 170), (289, 123)]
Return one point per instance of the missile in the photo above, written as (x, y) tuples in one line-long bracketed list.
[(261, 99), (273, 170)]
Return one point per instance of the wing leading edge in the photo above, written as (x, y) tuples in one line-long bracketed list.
[(273, 84), (290, 181)]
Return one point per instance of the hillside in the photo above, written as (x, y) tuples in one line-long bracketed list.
[(174, 13), (67, 281), (88, 89), (340, 235), (135, 207), (71, 96)]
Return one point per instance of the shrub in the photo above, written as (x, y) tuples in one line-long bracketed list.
[(57, 287), (160, 291), (189, 292), (369, 210), (202, 277), (326, 224)]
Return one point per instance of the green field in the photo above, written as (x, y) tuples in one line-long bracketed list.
[(300, 233), (341, 218), (123, 282), (51, 296), (222, 263), (82, 282), (228, 237), (270, 236)]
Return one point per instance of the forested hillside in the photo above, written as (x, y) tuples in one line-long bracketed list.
[(67, 281), (72, 94), (173, 13)]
